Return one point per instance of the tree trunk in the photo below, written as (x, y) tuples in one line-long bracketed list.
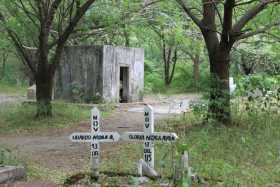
[(44, 91), (196, 74), (3, 69), (219, 103), (166, 78)]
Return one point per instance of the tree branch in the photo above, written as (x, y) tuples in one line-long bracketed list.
[(239, 25), (28, 13), (258, 31), (18, 44), (245, 3), (189, 13), (68, 30), (274, 36)]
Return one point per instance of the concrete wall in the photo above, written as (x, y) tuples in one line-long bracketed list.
[(79, 77), (96, 70), (113, 59)]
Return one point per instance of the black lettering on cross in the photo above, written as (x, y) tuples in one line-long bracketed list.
[(94, 117), (147, 125), (95, 146), (147, 119), (95, 123), (95, 153), (147, 144), (148, 157)]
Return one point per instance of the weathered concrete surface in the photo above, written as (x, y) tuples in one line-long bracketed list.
[(116, 57), (90, 72), (31, 92), (80, 74), (11, 173)]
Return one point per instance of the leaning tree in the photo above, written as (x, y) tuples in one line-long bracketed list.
[(223, 23), (39, 30)]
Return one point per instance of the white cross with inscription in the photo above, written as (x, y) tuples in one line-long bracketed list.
[(95, 137), (149, 136)]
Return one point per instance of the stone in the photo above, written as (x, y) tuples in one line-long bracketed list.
[(11, 174), (31, 92), (147, 170), (142, 180)]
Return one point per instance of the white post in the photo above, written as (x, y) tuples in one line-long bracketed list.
[(149, 130), (95, 127)]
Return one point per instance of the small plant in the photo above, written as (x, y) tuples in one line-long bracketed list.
[(77, 92), (6, 157), (199, 108)]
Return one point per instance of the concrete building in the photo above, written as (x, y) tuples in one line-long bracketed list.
[(95, 73)]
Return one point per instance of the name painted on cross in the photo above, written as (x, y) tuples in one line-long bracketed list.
[(164, 137), (99, 136)]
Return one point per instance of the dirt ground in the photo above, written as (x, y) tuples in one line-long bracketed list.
[(55, 152)]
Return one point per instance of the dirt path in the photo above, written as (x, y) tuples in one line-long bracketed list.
[(4, 98), (55, 152)]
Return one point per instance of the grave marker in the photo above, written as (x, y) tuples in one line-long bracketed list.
[(149, 136), (95, 137)]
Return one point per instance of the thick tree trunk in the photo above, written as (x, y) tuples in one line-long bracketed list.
[(219, 103), (44, 91)]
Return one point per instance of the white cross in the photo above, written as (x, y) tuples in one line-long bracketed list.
[(149, 136), (95, 137)]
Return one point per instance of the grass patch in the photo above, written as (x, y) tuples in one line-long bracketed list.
[(7, 157), (246, 154), (12, 89), (20, 118)]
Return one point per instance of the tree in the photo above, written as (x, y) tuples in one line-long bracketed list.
[(168, 25), (220, 33), (194, 49), (39, 31), (5, 49)]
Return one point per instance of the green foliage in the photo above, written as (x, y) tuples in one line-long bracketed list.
[(13, 72), (262, 82), (183, 79)]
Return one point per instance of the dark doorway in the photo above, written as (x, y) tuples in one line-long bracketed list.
[(124, 84)]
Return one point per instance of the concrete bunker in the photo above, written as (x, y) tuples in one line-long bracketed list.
[(100, 73)]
